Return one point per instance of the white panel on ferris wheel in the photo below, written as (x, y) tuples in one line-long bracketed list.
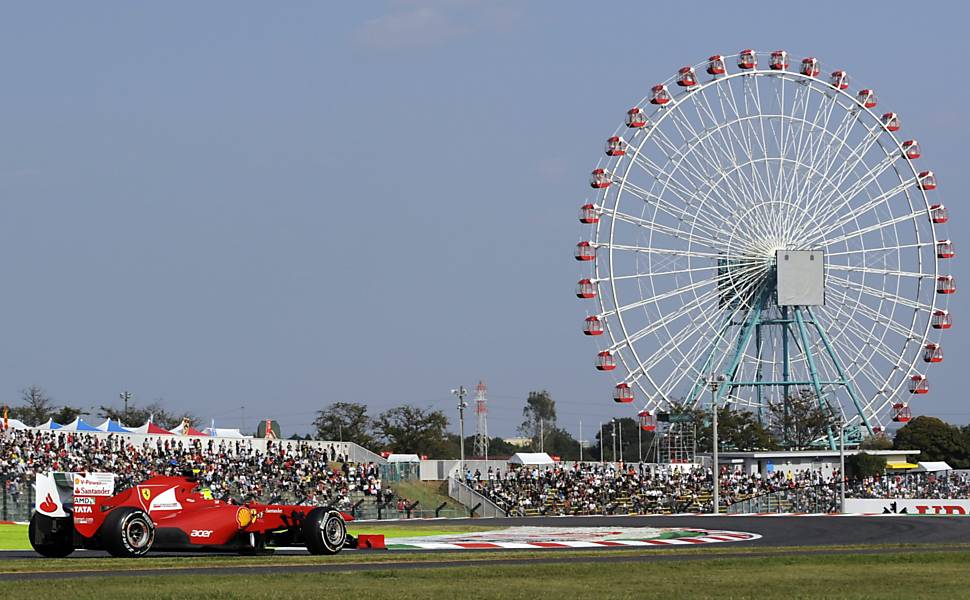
[(801, 277)]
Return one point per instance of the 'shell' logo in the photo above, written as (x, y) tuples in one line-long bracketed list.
[(48, 505)]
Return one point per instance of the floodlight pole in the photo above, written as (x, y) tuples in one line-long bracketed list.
[(715, 383), (125, 397), (462, 405)]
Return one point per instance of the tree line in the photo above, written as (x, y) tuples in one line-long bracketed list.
[(37, 407), (424, 431)]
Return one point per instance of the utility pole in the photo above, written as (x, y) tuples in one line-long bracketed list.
[(125, 397), (481, 426), (462, 405), (580, 440), (842, 466), (619, 427), (715, 383), (542, 434), (613, 439), (602, 440)]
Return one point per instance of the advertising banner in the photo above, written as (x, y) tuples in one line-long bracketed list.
[(895, 506)]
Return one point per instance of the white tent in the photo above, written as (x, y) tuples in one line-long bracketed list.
[(50, 424), (531, 458), (403, 458), (932, 466), (16, 424), (79, 424), (224, 433)]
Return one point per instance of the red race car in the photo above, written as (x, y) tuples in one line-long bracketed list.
[(76, 510)]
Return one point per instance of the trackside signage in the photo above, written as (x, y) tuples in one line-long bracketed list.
[(894, 506), (94, 484)]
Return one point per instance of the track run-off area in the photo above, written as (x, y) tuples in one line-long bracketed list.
[(749, 537)]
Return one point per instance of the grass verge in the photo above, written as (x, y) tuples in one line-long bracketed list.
[(904, 574)]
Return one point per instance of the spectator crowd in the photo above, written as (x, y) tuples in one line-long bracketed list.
[(286, 472), (315, 473), (595, 488)]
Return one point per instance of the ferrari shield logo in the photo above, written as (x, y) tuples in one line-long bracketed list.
[(146, 493)]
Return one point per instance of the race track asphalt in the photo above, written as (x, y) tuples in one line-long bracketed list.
[(803, 534)]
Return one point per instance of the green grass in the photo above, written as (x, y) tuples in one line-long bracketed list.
[(395, 530), (429, 493), (13, 537), (904, 574)]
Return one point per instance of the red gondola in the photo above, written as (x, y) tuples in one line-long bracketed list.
[(648, 422), (867, 98), (938, 214), (593, 326), (810, 67), (636, 118), (902, 413), (599, 179), (911, 149), (660, 95), (941, 319), (933, 353), (585, 251), (919, 384), (623, 393), (779, 60), (715, 65), (588, 214), (839, 80), (616, 146), (944, 249), (747, 59), (586, 289), (945, 284), (686, 77), (891, 121), (605, 361), (927, 180)]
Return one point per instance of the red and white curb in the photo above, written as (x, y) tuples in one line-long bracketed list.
[(711, 537)]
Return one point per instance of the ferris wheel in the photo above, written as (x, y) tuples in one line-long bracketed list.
[(766, 224)]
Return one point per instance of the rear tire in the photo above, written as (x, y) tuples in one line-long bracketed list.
[(324, 531), (57, 535), (128, 532)]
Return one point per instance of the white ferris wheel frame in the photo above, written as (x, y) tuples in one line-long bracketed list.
[(881, 389)]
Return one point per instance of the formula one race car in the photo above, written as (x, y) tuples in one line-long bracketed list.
[(76, 510)]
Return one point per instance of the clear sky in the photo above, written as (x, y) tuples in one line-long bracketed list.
[(284, 205)]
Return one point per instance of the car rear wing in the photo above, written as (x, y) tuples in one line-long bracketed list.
[(59, 494)]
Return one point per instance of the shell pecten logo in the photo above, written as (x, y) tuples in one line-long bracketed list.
[(244, 517)]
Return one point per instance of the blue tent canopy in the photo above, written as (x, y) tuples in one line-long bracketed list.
[(112, 426)]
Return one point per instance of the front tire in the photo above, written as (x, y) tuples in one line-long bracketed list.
[(128, 533), (324, 531), (51, 537)]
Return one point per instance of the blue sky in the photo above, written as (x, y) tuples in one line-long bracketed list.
[(280, 206)]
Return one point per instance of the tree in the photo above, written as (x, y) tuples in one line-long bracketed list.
[(345, 421), (66, 414), (561, 443), (864, 465), (935, 439), (540, 417), (411, 429), (742, 431), (800, 420), (37, 407), (876, 442), (499, 448), (138, 415)]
